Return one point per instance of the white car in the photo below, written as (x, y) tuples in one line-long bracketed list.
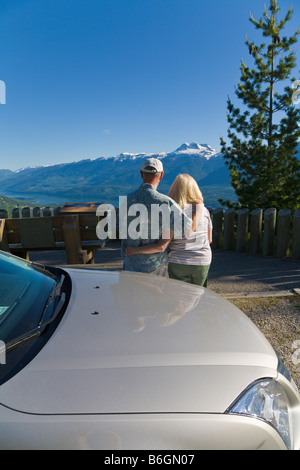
[(109, 360)]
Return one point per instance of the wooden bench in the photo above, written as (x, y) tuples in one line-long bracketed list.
[(76, 234)]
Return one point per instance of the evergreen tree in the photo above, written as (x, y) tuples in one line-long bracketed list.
[(264, 169)]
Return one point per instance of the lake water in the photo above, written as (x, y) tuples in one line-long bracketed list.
[(44, 200), (40, 198)]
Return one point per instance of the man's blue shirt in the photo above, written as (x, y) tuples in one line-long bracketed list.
[(138, 226)]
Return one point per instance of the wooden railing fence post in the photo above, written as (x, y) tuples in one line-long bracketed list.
[(283, 233), (229, 220), (217, 234), (269, 231), (255, 230), (3, 237), (71, 232), (242, 230), (296, 235)]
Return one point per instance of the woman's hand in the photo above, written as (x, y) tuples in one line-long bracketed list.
[(130, 251), (198, 201)]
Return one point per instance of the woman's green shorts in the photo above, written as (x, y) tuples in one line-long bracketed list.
[(191, 273)]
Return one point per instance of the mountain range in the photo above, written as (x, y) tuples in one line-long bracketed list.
[(104, 179)]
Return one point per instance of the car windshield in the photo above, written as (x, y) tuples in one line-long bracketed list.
[(24, 291)]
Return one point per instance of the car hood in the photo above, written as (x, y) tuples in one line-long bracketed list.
[(137, 343)]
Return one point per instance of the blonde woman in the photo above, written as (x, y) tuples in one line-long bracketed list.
[(189, 257)]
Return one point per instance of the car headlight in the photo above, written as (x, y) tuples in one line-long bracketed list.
[(267, 400)]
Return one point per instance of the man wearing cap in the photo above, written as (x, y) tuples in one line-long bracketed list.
[(151, 201)]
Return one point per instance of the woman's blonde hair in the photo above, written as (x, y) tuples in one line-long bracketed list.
[(185, 190)]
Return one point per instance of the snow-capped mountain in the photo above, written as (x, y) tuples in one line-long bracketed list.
[(104, 179), (107, 178), (193, 148)]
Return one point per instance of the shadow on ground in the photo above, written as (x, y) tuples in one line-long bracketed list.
[(230, 272)]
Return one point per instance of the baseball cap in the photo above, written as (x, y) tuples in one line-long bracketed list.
[(152, 165)]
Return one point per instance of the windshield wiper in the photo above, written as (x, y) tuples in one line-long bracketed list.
[(56, 311), (55, 295), (56, 301), (39, 330), (42, 269), (33, 334)]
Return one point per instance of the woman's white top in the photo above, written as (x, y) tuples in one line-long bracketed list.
[(195, 249)]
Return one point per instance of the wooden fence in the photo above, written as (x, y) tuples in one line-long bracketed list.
[(29, 212), (269, 232), (76, 234)]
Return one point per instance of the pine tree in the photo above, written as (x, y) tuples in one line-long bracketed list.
[(264, 169)]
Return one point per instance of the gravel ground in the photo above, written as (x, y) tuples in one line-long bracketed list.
[(279, 320)]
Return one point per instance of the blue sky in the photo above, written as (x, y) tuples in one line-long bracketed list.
[(91, 78)]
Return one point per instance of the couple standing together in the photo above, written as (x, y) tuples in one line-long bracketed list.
[(183, 252)]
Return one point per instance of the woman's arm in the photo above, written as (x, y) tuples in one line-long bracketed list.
[(164, 242), (158, 247), (209, 235)]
